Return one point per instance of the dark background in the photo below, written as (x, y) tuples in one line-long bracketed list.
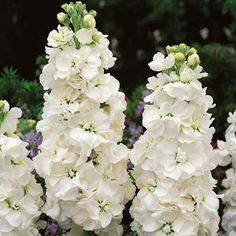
[(136, 29)]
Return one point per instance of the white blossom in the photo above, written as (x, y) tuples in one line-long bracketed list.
[(84, 167), (160, 63), (227, 153), (20, 200), (60, 37), (173, 158)]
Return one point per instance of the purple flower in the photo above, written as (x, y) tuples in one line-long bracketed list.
[(139, 129), (53, 228), (132, 127), (145, 93), (132, 140), (130, 165), (139, 109), (33, 140)]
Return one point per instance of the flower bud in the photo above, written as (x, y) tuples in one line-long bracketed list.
[(192, 51), (93, 13), (84, 12), (173, 49), (193, 60), (62, 17), (182, 45), (179, 57), (78, 3), (168, 48), (64, 7), (89, 21), (96, 37)]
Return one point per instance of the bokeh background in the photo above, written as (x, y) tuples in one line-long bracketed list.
[(136, 29)]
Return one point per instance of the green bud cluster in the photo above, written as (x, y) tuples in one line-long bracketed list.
[(76, 17), (184, 54)]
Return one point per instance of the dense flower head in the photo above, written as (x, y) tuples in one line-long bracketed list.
[(227, 152), (173, 158), (84, 167), (20, 195)]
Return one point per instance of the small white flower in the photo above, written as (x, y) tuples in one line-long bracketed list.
[(85, 36), (161, 63), (59, 37)]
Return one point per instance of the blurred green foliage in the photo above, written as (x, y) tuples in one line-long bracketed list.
[(220, 63), (26, 94)]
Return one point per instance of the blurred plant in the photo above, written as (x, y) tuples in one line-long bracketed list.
[(229, 6), (219, 61), (134, 112), (25, 126), (28, 95), (41, 60)]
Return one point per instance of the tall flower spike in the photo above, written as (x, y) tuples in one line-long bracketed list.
[(173, 159), (20, 200), (227, 152), (83, 166)]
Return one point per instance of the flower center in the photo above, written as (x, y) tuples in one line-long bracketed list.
[(11, 205), (167, 228), (104, 206), (72, 173), (180, 156), (88, 127)]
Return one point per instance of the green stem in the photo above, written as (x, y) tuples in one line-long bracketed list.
[(77, 43)]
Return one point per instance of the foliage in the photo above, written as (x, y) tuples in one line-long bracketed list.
[(25, 126), (41, 60), (134, 111), (219, 61), (28, 95)]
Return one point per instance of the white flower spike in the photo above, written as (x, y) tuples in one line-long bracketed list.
[(84, 168), (173, 159)]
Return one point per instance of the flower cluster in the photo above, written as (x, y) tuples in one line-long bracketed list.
[(227, 151), (20, 200), (84, 168), (173, 158)]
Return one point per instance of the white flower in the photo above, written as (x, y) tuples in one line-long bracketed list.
[(20, 195), (161, 63), (102, 87), (85, 36), (60, 37), (8, 122), (92, 130), (84, 168), (173, 159), (227, 153)]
